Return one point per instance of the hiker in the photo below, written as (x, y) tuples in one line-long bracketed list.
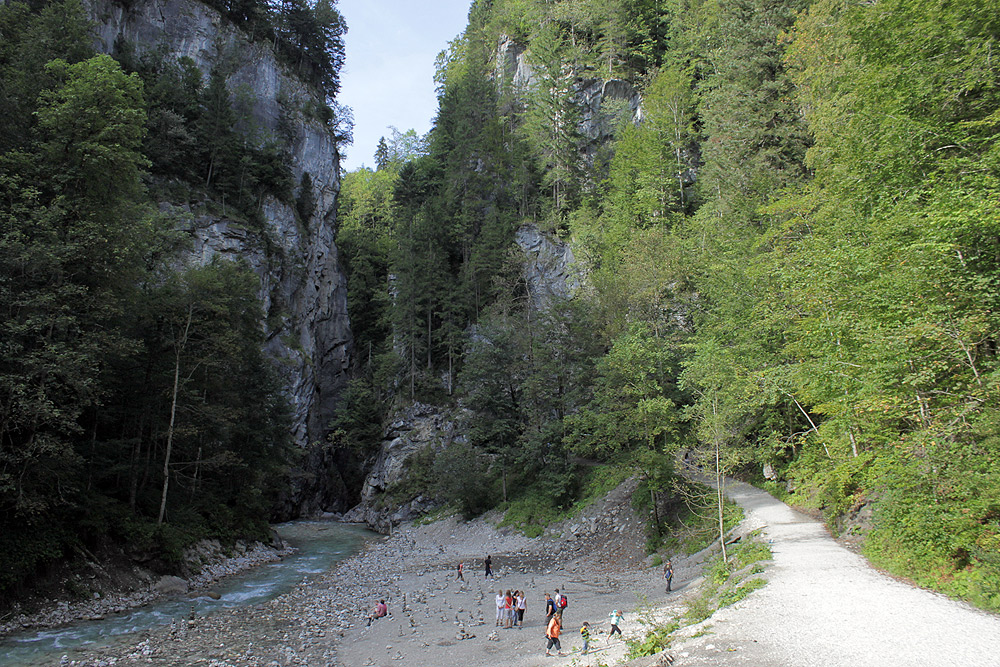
[(489, 566), (552, 635), (461, 568), (616, 619), (561, 602), (585, 633), (380, 610), (550, 607), (668, 574)]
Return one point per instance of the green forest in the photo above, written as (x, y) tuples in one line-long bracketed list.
[(137, 407), (789, 269), (790, 265)]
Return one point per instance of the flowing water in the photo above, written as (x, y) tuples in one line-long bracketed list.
[(320, 544)]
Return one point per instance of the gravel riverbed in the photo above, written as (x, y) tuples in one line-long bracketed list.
[(823, 605)]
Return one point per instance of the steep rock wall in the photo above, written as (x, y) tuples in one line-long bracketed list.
[(548, 266), (411, 431), (600, 100), (303, 287)]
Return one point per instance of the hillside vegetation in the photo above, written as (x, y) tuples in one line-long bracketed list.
[(137, 409), (791, 264)]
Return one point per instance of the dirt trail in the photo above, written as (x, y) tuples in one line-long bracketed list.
[(825, 605)]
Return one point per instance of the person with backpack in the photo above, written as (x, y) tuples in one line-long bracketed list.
[(561, 602), (550, 608)]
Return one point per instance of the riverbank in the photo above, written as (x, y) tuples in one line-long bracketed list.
[(823, 605), (124, 587), (597, 558)]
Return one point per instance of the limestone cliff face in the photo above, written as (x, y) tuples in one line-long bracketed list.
[(303, 288), (600, 100), (548, 267), (411, 431)]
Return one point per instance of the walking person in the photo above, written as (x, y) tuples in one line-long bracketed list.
[(616, 619), (461, 569), (488, 562), (552, 635), (550, 608), (668, 574), (561, 603), (585, 633)]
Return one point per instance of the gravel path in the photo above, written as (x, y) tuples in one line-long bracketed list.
[(825, 605)]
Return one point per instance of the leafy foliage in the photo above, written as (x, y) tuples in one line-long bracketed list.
[(132, 387), (790, 261)]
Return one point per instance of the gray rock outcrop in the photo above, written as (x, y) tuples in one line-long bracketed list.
[(548, 266), (601, 101), (171, 585), (413, 430)]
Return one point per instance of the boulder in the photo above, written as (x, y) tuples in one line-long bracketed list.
[(171, 585)]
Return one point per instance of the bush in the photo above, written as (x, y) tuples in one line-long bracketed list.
[(464, 480), (656, 640), (531, 513)]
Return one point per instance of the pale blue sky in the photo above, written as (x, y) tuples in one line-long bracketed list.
[(388, 78)]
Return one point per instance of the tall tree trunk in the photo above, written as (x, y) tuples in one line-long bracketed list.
[(178, 350), (720, 500), (720, 496), (197, 473)]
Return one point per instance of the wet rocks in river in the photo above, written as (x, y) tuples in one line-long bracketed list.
[(171, 585)]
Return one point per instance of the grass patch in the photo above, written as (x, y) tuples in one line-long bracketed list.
[(436, 515), (532, 513), (729, 581), (734, 595), (656, 640)]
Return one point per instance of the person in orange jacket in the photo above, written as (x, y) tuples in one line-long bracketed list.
[(552, 634)]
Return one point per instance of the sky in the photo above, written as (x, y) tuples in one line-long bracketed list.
[(388, 77)]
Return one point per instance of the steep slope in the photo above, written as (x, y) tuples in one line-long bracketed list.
[(303, 287)]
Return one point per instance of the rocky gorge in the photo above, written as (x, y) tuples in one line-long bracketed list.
[(303, 289)]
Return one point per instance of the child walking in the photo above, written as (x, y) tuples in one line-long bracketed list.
[(585, 633)]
